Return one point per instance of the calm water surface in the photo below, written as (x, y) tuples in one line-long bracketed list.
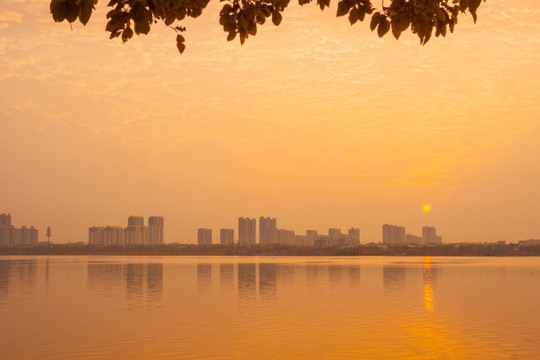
[(104, 307)]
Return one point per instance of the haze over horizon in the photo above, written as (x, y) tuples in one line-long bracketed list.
[(316, 123)]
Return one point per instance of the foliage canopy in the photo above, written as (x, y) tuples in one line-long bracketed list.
[(242, 17)]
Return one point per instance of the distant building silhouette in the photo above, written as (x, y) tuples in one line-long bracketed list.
[(429, 235), (134, 234), (136, 221), (11, 236), (155, 230), (281, 236), (246, 231), (204, 236), (311, 235), (334, 233), (393, 234), (354, 237), (226, 236), (413, 239), (266, 225)]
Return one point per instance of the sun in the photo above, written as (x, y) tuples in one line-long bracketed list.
[(427, 208)]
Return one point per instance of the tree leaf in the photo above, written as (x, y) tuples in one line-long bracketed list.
[(353, 16), (343, 8), (276, 18), (384, 26), (58, 10), (375, 18), (86, 11), (127, 34), (72, 10)]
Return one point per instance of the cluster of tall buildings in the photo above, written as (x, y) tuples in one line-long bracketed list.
[(396, 235), (136, 233), (270, 234), (11, 236)]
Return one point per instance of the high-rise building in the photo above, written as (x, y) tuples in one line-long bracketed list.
[(136, 221), (135, 234), (113, 235), (226, 236), (354, 237), (246, 231), (155, 230), (96, 235), (282, 236), (311, 235), (413, 239), (266, 225), (429, 235), (204, 236), (5, 220), (393, 235), (11, 236), (334, 233)]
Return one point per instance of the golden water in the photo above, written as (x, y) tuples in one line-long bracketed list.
[(98, 307)]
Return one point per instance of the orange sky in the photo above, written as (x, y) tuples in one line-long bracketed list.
[(314, 122)]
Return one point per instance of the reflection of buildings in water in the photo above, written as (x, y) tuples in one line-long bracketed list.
[(394, 277), (246, 280), (154, 281), (47, 277), (285, 274), (226, 276), (4, 280), (108, 279), (336, 274), (105, 277), (134, 280), (354, 275), (20, 275), (267, 279), (312, 274), (428, 290), (204, 276)]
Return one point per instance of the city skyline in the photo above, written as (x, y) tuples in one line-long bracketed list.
[(287, 124), (136, 233)]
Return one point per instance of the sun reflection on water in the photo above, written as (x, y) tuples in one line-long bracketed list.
[(428, 291)]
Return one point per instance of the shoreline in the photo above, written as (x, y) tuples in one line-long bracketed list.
[(457, 250)]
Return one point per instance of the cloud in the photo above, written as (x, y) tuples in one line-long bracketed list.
[(8, 16)]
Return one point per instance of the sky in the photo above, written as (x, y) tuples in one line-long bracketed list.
[(315, 122)]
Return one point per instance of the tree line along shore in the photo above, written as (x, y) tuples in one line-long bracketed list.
[(462, 249)]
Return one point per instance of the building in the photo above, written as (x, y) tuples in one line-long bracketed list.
[(334, 233), (246, 231), (266, 225), (282, 236), (413, 239), (429, 235), (311, 235), (300, 240), (96, 236), (136, 221), (204, 236), (226, 236), (354, 237), (135, 234), (320, 241), (393, 235), (155, 230), (113, 235), (11, 236)]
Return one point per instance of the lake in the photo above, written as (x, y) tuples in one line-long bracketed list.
[(129, 307)]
